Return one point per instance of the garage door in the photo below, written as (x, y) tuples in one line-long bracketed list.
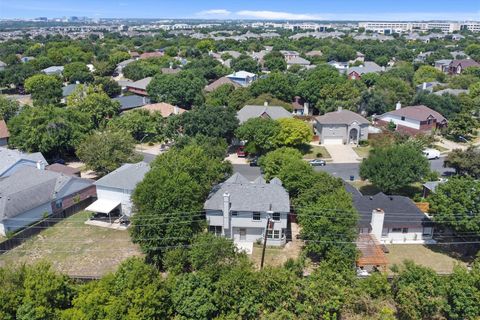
[(332, 140)]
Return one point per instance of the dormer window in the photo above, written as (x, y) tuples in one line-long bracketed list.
[(256, 216)]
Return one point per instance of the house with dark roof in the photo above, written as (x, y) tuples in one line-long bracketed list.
[(341, 127), (458, 66), (239, 209), (13, 160), (4, 133), (265, 111), (391, 219), (413, 119), (114, 190), (131, 102), (32, 193)]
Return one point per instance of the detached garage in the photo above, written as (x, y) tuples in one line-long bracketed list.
[(341, 127)]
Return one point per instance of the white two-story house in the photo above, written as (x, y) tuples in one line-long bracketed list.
[(239, 209), (114, 190)]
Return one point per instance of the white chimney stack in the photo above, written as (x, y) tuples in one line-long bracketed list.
[(175, 110), (340, 108), (40, 165), (226, 211), (424, 86), (378, 216), (265, 104), (306, 109), (398, 106)]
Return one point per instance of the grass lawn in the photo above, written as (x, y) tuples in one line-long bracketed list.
[(362, 152), (311, 152), (275, 256), (75, 248), (432, 256)]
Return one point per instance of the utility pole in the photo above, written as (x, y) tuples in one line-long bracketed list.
[(265, 242)]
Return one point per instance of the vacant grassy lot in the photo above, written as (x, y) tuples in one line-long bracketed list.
[(313, 152), (362, 152), (275, 256), (431, 256), (75, 248)]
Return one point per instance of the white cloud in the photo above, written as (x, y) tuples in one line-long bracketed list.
[(213, 12), (277, 15)]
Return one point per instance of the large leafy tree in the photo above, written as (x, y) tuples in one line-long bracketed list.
[(105, 151), (393, 167), (293, 133), (44, 89), (455, 204), (95, 103), (465, 162), (428, 74), (77, 71), (309, 88), (259, 134), (244, 63), (462, 125), (51, 130), (275, 61), (279, 85), (209, 121), (220, 96), (141, 124), (8, 108), (346, 95), (182, 89), (170, 198), (275, 160), (111, 88)]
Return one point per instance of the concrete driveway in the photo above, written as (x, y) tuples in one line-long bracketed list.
[(342, 153)]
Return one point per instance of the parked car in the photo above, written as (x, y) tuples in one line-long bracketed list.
[(241, 153), (431, 154), (317, 162), (254, 162), (58, 160)]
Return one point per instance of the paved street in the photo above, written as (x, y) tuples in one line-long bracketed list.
[(341, 170)]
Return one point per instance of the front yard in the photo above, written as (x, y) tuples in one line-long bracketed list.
[(362, 152), (75, 248), (432, 256), (315, 152)]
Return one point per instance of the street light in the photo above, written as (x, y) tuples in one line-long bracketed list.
[(141, 148)]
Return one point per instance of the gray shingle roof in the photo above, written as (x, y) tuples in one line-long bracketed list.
[(400, 212), (274, 112), (368, 67), (126, 177), (341, 117), (299, 61), (29, 187), (419, 113), (9, 157), (141, 84), (132, 101), (68, 89), (249, 196)]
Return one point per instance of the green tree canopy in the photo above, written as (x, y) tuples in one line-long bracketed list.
[(8, 108), (182, 89), (275, 61), (44, 89), (244, 63), (77, 71), (465, 162), (293, 133), (259, 133), (428, 74), (393, 167), (105, 151)]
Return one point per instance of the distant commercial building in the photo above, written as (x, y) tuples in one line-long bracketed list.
[(395, 26)]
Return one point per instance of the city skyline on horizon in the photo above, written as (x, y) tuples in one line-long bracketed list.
[(308, 10)]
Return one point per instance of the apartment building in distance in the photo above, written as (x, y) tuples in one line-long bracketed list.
[(387, 27)]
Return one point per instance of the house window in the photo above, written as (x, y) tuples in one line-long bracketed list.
[(217, 230), (58, 204), (273, 234), (404, 230), (234, 213), (403, 118), (256, 216), (276, 216), (396, 230), (429, 121)]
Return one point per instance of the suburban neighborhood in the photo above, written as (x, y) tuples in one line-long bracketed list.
[(238, 163)]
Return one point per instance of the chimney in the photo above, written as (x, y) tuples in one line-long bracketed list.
[(340, 108), (377, 223), (226, 211), (40, 165), (265, 104), (144, 100), (398, 106), (424, 86), (306, 109), (175, 110)]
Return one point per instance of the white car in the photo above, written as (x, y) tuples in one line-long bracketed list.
[(431, 154)]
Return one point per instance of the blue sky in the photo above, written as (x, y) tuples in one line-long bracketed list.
[(258, 9)]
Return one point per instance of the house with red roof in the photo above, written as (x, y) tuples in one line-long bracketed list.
[(412, 119), (458, 66)]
